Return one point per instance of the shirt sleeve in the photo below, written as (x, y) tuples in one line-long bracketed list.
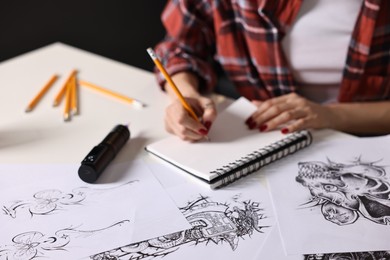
[(189, 43)]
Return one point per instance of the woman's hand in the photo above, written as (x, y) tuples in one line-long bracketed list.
[(179, 122), (291, 112)]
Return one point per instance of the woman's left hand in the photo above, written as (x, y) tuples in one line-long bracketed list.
[(290, 111)]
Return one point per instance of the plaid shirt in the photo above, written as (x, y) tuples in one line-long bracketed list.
[(244, 37)]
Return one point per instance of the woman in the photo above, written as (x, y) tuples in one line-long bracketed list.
[(304, 64)]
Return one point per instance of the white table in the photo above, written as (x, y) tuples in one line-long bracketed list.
[(42, 136)]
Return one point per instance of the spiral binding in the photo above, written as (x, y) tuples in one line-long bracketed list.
[(259, 158)]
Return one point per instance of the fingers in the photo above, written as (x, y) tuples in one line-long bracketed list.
[(275, 104), (297, 125), (274, 115), (179, 122), (286, 117), (270, 115), (291, 112), (209, 112), (185, 133)]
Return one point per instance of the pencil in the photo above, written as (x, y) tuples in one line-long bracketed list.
[(168, 78), (41, 93), (105, 91), (68, 98), (58, 98), (74, 99)]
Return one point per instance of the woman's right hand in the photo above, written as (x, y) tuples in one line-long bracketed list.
[(179, 122)]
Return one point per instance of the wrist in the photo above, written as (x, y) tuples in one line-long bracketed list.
[(335, 118), (186, 82)]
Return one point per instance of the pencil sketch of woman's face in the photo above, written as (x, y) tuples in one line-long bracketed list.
[(347, 191)]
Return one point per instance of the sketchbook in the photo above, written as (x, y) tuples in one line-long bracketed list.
[(233, 150)]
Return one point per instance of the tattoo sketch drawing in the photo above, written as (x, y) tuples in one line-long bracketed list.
[(211, 222), (34, 244), (47, 201), (377, 255), (346, 192)]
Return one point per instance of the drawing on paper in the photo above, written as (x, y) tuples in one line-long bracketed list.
[(47, 201), (377, 255), (212, 222), (346, 192), (34, 244)]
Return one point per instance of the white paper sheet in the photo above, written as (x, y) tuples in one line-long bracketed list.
[(333, 197), (223, 222), (273, 248), (228, 136), (47, 211)]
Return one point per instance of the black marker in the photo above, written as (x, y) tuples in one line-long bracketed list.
[(102, 154)]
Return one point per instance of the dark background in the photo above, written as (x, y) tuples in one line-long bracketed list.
[(117, 29)]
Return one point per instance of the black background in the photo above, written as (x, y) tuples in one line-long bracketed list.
[(117, 29)]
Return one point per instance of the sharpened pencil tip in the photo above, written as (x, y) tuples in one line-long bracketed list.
[(75, 112), (138, 104), (66, 117), (29, 109)]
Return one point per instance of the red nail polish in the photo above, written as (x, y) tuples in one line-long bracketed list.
[(249, 121), (203, 131), (285, 131), (262, 128), (207, 124), (252, 125)]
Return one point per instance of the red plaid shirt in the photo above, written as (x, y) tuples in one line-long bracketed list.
[(244, 37)]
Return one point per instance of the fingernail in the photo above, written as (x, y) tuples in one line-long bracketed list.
[(203, 131), (252, 125), (249, 121), (262, 128), (285, 131), (207, 124)]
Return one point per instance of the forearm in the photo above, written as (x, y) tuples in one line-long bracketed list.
[(361, 118), (186, 82)]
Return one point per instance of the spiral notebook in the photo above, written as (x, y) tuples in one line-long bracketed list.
[(233, 150)]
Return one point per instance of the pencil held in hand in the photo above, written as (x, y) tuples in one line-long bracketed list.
[(113, 94), (168, 78), (41, 93)]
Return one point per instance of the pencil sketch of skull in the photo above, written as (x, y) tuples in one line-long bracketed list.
[(376, 255), (346, 192)]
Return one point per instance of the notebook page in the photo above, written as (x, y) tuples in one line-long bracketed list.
[(230, 140)]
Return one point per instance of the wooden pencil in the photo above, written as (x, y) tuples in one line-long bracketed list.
[(60, 95), (74, 99), (168, 78), (41, 93), (110, 93), (68, 98)]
